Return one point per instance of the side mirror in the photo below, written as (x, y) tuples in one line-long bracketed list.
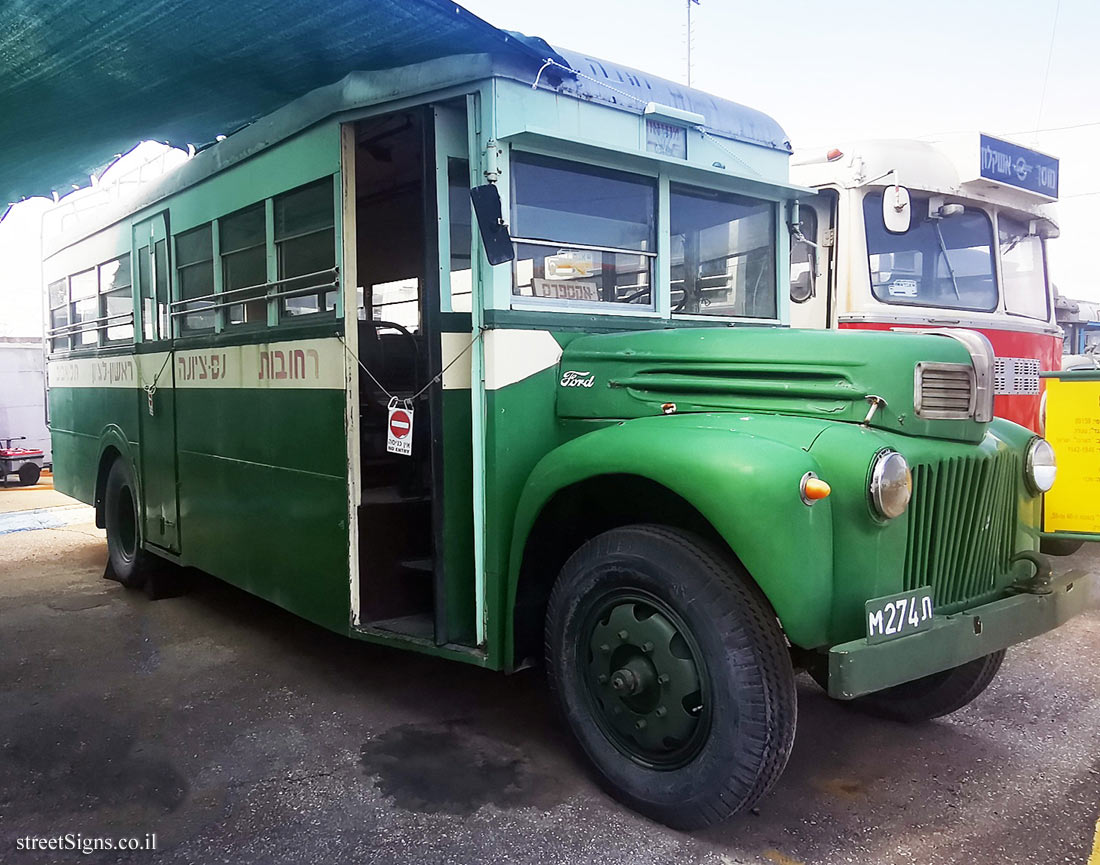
[(490, 221), (896, 210)]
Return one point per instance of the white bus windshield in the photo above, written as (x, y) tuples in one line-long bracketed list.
[(1023, 269), (942, 262)]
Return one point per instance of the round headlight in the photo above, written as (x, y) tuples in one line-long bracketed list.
[(891, 484), (1041, 465)]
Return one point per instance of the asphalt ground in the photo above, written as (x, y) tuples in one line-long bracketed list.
[(238, 733)]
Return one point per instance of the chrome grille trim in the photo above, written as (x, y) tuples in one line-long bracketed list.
[(944, 391), (980, 350)]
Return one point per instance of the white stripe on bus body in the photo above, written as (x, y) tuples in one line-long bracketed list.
[(292, 365), (510, 357)]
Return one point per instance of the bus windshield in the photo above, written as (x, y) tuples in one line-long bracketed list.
[(1023, 269), (943, 262)]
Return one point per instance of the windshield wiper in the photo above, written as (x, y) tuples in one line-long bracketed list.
[(947, 260)]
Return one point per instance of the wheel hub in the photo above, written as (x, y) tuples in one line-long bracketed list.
[(646, 677)]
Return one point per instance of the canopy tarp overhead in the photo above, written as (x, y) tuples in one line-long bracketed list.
[(84, 80)]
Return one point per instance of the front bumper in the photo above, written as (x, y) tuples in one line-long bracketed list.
[(856, 668)]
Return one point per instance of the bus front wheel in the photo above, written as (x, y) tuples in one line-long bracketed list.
[(126, 558), (672, 673)]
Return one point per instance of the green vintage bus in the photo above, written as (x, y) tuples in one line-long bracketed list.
[(487, 360)]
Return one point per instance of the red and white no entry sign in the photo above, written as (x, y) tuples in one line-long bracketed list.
[(400, 423), (399, 431)]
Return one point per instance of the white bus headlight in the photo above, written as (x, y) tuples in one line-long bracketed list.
[(891, 484), (1041, 465)]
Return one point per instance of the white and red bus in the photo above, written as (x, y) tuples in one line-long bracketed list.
[(947, 234)]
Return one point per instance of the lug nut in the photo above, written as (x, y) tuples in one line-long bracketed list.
[(661, 711), (663, 679), (602, 679), (605, 648), (647, 646), (623, 635), (640, 724)]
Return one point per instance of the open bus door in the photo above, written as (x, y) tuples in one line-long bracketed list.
[(157, 409), (1071, 510), (414, 243)]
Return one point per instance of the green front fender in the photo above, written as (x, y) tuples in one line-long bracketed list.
[(742, 480)]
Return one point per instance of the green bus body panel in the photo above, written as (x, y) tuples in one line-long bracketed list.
[(458, 528), (84, 422), (263, 495), (824, 374), (741, 473)]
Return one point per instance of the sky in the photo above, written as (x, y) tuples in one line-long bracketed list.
[(828, 72), (845, 69)]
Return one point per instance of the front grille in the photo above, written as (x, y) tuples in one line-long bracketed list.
[(944, 391), (962, 522)]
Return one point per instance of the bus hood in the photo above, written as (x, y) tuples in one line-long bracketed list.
[(823, 374)]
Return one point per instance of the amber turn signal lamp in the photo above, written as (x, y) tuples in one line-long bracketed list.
[(813, 488)]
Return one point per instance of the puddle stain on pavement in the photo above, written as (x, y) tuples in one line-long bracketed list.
[(450, 768)]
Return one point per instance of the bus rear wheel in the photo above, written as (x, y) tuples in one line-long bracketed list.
[(933, 696), (673, 674), (127, 561)]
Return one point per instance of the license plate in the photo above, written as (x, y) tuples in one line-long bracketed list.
[(899, 615)]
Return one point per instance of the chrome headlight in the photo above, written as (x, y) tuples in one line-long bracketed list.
[(891, 484), (1041, 465)]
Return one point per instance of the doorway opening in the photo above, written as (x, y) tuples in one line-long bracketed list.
[(394, 201)]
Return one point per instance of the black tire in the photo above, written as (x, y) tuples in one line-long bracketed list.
[(933, 696), (127, 561), (29, 473), (732, 735)]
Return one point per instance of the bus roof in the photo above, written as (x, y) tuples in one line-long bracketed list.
[(951, 165), (580, 77), (631, 89)]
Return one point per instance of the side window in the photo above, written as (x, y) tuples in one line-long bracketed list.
[(116, 300), (83, 291), (305, 246), (195, 279), (804, 256), (145, 293), (243, 241), (583, 235), (723, 254), (58, 292), (458, 208)]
